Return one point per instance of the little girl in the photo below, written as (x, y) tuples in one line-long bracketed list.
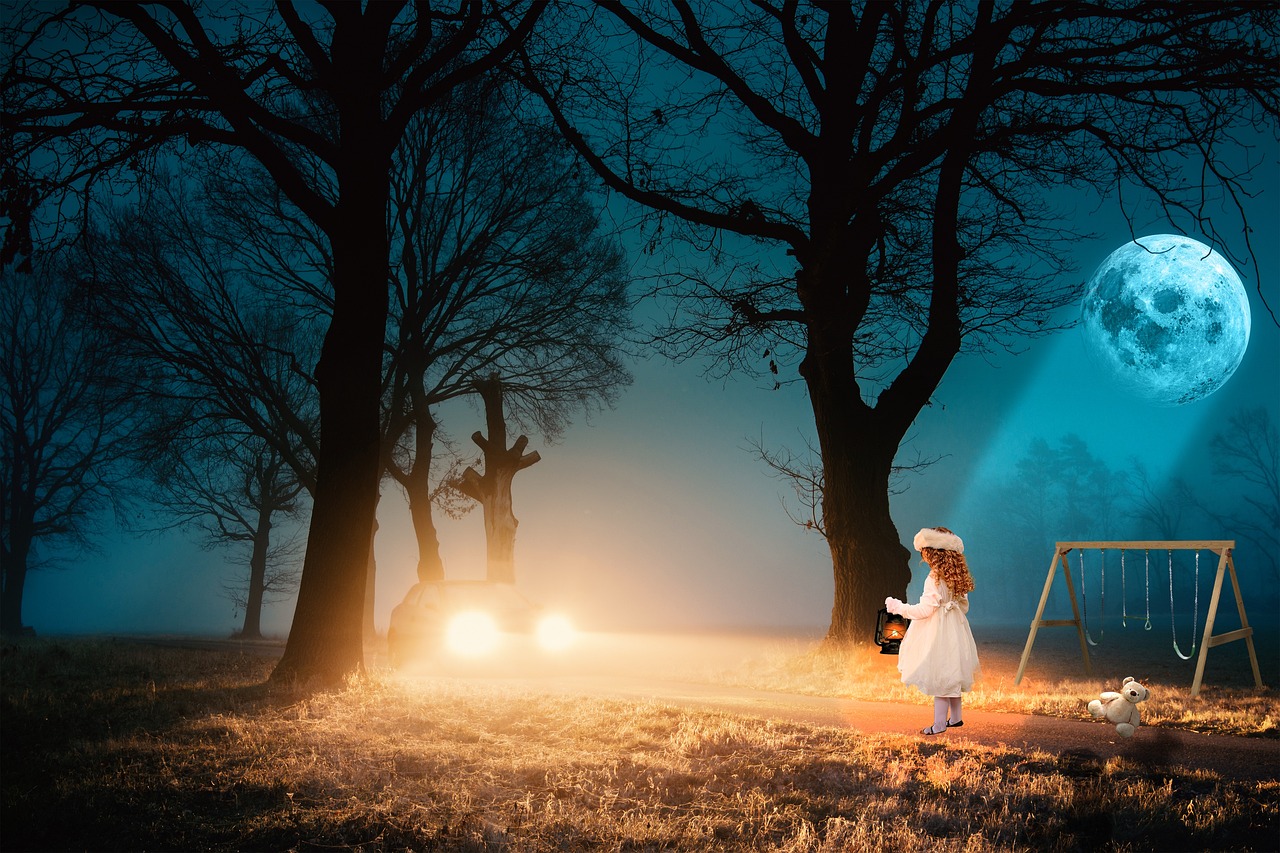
[(938, 654)]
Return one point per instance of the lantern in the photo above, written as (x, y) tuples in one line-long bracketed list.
[(890, 629)]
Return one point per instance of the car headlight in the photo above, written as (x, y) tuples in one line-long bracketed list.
[(472, 634), (555, 633)]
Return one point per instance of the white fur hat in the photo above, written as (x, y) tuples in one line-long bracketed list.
[(932, 537)]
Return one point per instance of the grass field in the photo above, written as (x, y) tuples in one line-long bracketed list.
[(122, 745)]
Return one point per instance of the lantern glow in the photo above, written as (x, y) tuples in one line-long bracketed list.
[(890, 631)]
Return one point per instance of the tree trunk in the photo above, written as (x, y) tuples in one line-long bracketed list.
[(15, 580), (430, 563), (325, 641), (493, 490), (868, 560), (418, 488), (368, 628), (500, 525), (252, 629), (14, 557)]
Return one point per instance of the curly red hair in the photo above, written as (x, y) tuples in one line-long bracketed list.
[(950, 567)]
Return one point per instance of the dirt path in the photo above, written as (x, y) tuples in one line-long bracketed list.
[(1084, 742)]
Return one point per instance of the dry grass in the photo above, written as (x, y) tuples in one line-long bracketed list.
[(117, 745)]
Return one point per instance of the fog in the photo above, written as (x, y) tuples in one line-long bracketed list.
[(657, 516)]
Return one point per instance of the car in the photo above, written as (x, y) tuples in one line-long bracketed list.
[(471, 619)]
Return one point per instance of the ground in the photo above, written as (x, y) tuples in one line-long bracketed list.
[(640, 743)]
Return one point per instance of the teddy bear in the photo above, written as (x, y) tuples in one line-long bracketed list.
[(1121, 708)]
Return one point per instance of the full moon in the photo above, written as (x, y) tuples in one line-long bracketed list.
[(1168, 318)]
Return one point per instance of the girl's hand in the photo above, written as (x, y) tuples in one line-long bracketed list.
[(893, 605)]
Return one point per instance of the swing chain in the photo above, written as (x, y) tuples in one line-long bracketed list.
[(1102, 598), (1195, 608), (1147, 625), (1084, 601), (1195, 613), (1124, 604)]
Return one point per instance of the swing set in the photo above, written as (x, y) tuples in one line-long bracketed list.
[(1222, 548)]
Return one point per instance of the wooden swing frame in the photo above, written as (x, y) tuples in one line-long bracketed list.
[(1222, 547)]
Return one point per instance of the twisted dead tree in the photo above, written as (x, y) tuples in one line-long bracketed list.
[(492, 489)]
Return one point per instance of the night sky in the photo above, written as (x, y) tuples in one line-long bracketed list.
[(656, 515)]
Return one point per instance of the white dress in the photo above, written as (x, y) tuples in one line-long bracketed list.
[(938, 654)]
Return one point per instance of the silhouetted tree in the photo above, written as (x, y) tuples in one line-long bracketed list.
[(63, 429), (105, 81), (804, 475), (518, 280), (501, 269), (236, 490), (1055, 492), (906, 157), (204, 340), (1026, 505), (1246, 458), (1090, 495), (499, 264), (492, 489), (1160, 509), (215, 352), (1067, 492)]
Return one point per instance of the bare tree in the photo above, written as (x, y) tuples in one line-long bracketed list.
[(804, 475), (492, 489), (1159, 509), (100, 83), (63, 429), (1090, 494), (501, 269), (1250, 449), (236, 491), (230, 431), (1246, 456), (871, 186), (204, 341)]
